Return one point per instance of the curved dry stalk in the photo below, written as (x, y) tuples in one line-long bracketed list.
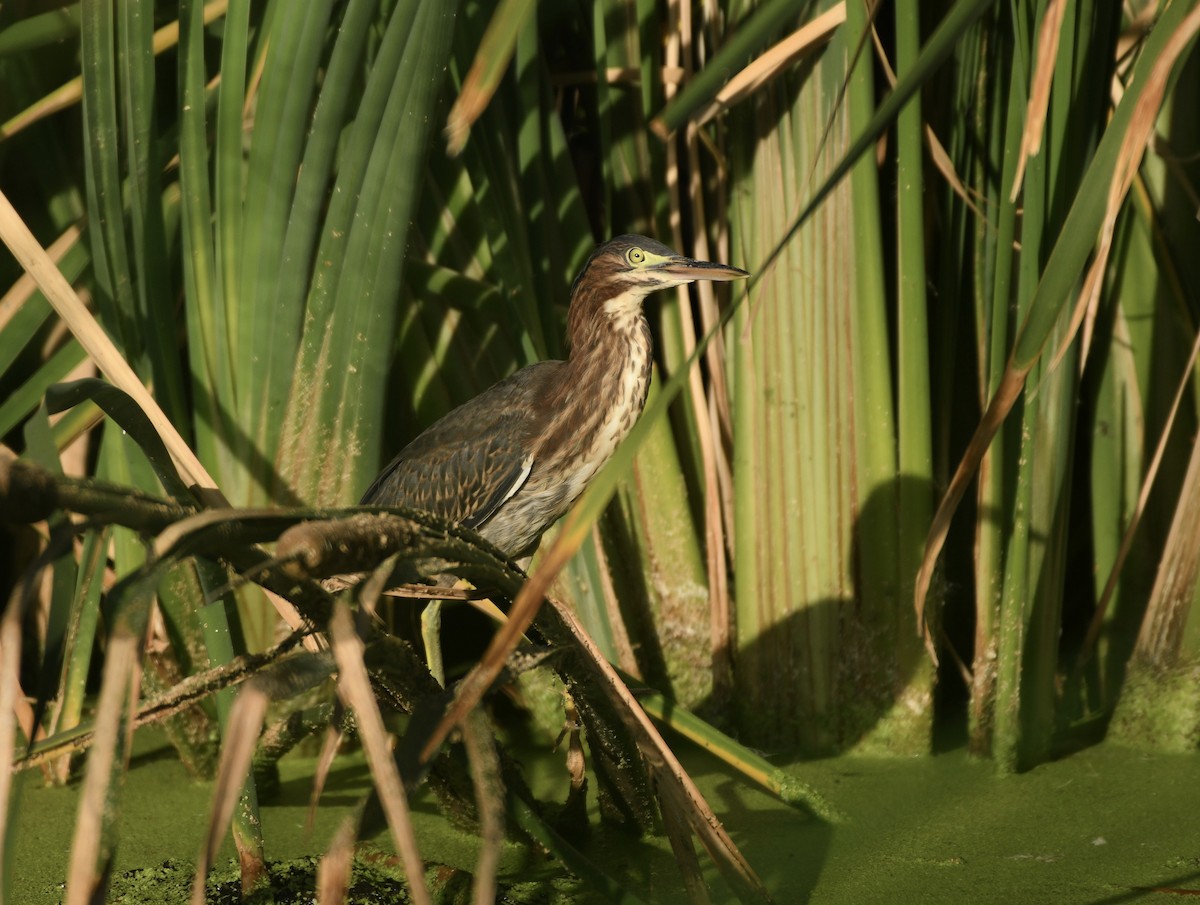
[(713, 422), (1129, 155), (33, 258), (329, 748), (1161, 637), (333, 870), (179, 697), (354, 686), (1039, 90), (87, 330), (1135, 519), (524, 610), (484, 764), (937, 151), (680, 836), (1129, 160), (488, 68), (245, 723), (93, 843), (771, 62), (670, 778), (1010, 387)]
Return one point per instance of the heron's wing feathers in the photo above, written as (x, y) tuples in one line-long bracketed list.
[(501, 491), (469, 463)]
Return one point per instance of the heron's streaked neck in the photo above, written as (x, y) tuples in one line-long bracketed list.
[(599, 317), (603, 387)]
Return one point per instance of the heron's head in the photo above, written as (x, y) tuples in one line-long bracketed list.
[(624, 270)]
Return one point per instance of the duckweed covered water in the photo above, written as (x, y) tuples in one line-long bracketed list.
[(1105, 825)]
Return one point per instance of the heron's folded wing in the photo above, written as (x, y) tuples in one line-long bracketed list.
[(474, 459)]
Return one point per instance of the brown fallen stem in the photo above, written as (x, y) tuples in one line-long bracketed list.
[(670, 778), (190, 691)]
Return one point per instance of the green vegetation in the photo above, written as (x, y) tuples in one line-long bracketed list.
[(929, 480)]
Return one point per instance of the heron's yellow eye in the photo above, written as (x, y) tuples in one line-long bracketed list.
[(635, 256)]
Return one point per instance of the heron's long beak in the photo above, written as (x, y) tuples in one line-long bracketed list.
[(691, 269)]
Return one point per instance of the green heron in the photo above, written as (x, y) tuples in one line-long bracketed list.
[(512, 460)]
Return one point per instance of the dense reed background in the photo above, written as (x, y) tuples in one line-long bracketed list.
[(934, 483)]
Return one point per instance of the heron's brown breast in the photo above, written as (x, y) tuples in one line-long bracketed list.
[(600, 401), (586, 412)]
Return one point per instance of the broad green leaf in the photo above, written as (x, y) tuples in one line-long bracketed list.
[(339, 382), (267, 323)]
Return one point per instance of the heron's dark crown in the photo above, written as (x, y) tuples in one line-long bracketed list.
[(607, 263)]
